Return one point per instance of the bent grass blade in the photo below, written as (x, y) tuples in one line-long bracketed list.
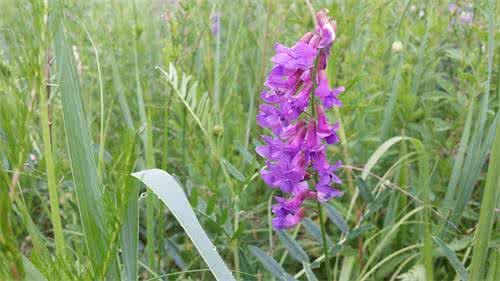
[(170, 192)]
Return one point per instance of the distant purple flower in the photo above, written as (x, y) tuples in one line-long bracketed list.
[(463, 14), (466, 17), (452, 7), (215, 23), (296, 161)]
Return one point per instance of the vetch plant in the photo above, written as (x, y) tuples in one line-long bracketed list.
[(296, 155), (296, 160)]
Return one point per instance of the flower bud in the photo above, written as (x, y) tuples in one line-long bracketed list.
[(397, 47), (218, 130)]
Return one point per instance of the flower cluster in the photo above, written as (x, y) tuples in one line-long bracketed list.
[(296, 154)]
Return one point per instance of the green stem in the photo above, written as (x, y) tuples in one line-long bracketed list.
[(51, 177), (329, 274), (47, 146), (236, 255)]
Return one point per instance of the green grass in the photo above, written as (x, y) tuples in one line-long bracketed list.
[(91, 91)]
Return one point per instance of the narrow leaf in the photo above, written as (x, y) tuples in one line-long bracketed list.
[(270, 264), (234, 171), (364, 191), (336, 218), (309, 273), (293, 247), (452, 258)]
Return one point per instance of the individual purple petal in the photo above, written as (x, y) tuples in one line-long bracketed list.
[(295, 202), (282, 78), (301, 56), (312, 141), (324, 130), (328, 96), (270, 117), (273, 96), (286, 220), (325, 193), (273, 149)]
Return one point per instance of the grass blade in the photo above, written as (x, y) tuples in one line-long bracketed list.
[(487, 214), (169, 191), (452, 258), (83, 166), (32, 273)]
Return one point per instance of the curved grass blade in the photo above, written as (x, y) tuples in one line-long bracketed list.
[(452, 258), (169, 191)]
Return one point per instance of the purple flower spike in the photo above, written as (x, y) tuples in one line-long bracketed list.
[(296, 160)]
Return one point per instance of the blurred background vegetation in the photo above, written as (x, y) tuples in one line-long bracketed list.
[(84, 101)]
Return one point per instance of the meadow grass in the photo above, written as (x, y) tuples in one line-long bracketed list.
[(92, 91)]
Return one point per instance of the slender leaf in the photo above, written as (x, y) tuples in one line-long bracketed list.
[(364, 190), (270, 264), (309, 273), (336, 218), (452, 258), (293, 247)]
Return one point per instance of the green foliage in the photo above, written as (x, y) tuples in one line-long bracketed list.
[(419, 140)]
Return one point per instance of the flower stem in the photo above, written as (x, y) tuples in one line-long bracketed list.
[(325, 245), (320, 208)]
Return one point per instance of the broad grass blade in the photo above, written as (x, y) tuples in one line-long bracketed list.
[(487, 214), (32, 273), (83, 166), (169, 191)]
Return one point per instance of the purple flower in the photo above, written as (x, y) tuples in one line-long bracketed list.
[(452, 7), (296, 160), (324, 130), (286, 219), (301, 56), (327, 95), (463, 14), (215, 23)]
